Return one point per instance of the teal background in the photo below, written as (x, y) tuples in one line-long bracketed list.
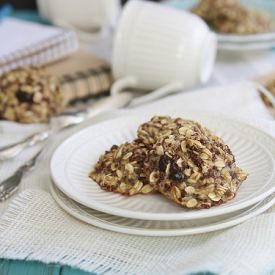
[(13, 267)]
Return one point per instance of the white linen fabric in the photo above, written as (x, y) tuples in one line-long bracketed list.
[(33, 227)]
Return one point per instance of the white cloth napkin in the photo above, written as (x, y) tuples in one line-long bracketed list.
[(35, 228)]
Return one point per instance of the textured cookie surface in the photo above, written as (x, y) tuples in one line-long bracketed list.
[(29, 95), (190, 165), (122, 169), (230, 16)]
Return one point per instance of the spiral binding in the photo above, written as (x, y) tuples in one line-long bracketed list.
[(57, 47)]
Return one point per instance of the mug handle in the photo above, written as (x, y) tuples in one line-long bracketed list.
[(131, 82), (122, 84), (163, 91)]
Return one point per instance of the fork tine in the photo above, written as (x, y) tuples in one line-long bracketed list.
[(8, 193)]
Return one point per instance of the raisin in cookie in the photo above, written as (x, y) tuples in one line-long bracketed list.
[(29, 95), (122, 169), (192, 166)]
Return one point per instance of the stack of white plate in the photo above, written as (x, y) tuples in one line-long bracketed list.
[(261, 41), (153, 214), (233, 42)]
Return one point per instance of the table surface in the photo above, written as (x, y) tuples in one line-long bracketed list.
[(229, 67)]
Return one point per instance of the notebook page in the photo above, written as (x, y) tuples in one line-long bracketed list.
[(29, 44), (19, 36)]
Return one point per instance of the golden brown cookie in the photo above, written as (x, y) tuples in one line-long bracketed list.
[(122, 169), (230, 16), (29, 95), (191, 166)]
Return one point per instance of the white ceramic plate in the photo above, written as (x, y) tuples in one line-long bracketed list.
[(156, 228), (234, 42), (74, 158)]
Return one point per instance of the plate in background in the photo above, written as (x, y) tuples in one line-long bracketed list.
[(241, 42)]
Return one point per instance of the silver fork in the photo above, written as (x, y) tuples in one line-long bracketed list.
[(66, 120), (9, 186), (57, 123)]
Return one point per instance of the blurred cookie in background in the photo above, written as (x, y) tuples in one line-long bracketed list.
[(29, 95), (35, 94), (230, 16)]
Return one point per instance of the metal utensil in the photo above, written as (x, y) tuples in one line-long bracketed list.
[(14, 149), (66, 120), (61, 122), (9, 186)]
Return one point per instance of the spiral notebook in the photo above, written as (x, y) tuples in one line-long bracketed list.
[(24, 43)]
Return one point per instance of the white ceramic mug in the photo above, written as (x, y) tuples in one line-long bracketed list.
[(85, 15), (158, 47)]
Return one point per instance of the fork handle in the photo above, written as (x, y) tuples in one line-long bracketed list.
[(13, 150), (109, 103), (11, 185)]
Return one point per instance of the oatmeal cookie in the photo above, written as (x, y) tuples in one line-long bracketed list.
[(122, 169), (230, 16), (29, 95), (190, 165)]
